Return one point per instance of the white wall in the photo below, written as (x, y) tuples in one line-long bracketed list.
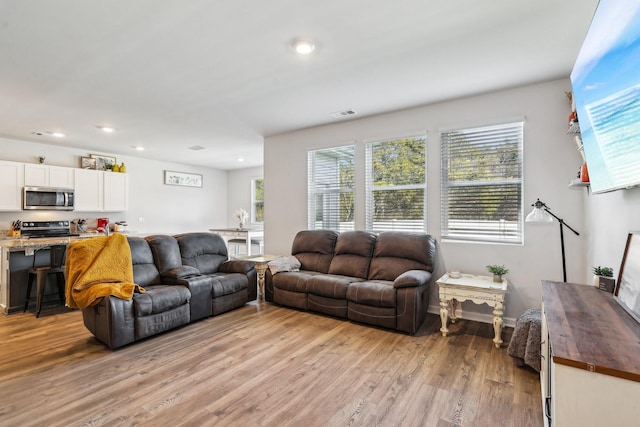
[(165, 208), (610, 217), (550, 161), (239, 191)]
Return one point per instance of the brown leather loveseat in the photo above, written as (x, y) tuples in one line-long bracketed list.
[(379, 279)]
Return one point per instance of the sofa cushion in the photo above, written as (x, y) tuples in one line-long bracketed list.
[(228, 283), (158, 299), (145, 272), (314, 249), (166, 253), (396, 252), (376, 293), (352, 254), (294, 281), (204, 251), (329, 285)]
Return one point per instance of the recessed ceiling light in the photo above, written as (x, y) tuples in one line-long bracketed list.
[(58, 134), (241, 159), (107, 129), (138, 147), (196, 147), (303, 47)]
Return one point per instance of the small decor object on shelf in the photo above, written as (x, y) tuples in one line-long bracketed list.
[(584, 173), (115, 168), (123, 168), (87, 163), (242, 216), (498, 271), (103, 162), (603, 278), (41, 159)]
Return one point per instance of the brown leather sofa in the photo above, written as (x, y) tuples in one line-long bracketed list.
[(186, 277), (379, 279)]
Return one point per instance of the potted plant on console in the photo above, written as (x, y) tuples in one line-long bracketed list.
[(498, 271), (603, 278)]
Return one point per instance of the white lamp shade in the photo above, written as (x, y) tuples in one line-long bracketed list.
[(539, 215)]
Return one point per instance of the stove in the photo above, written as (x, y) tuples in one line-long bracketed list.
[(41, 229)]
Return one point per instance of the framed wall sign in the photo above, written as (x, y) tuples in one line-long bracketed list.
[(103, 162), (88, 163), (183, 178)]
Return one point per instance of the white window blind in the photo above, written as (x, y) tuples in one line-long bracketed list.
[(257, 200), (330, 188), (396, 184), (482, 184)]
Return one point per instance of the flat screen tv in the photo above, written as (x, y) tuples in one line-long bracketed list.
[(606, 91)]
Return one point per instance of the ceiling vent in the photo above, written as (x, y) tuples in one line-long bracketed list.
[(196, 148), (341, 114)]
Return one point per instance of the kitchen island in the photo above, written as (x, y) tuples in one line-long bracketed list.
[(17, 257)]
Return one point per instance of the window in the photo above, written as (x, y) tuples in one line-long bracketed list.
[(257, 200), (396, 184), (482, 184), (330, 188)]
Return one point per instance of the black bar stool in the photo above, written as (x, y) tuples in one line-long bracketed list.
[(40, 274)]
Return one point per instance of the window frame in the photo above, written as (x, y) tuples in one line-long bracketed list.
[(371, 187), (313, 191), (495, 231), (255, 202)]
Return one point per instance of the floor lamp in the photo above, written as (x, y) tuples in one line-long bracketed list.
[(541, 213)]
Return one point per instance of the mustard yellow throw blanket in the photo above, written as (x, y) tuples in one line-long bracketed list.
[(98, 267)]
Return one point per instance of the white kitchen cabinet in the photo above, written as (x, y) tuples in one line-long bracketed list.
[(89, 190), (100, 191), (60, 177), (116, 192), (36, 175), (11, 183)]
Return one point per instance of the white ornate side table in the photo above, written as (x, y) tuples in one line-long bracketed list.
[(262, 262), (478, 289)]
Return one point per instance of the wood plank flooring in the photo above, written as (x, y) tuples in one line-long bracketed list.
[(261, 365)]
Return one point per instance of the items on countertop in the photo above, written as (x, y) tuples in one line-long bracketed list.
[(15, 229)]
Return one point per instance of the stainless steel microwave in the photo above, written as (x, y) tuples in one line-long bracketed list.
[(47, 198)]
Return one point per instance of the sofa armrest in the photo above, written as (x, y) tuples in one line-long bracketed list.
[(183, 272), (200, 286), (236, 266), (412, 278), (111, 321)]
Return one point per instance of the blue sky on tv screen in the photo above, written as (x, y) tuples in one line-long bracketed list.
[(606, 88)]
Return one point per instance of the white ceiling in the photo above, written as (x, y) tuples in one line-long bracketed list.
[(169, 75)]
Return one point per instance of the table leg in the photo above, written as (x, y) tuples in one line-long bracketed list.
[(444, 307), (261, 269), (497, 325), (452, 310)]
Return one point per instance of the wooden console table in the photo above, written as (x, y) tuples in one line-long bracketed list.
[(239, 233), (590, 372), (478, 289)]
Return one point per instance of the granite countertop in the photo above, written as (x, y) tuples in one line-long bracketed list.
[(16, 243)]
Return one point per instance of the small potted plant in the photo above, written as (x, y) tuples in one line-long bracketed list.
[(603, 278), (498, 271)]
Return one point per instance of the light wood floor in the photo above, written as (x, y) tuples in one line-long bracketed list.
[(261, 365)]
